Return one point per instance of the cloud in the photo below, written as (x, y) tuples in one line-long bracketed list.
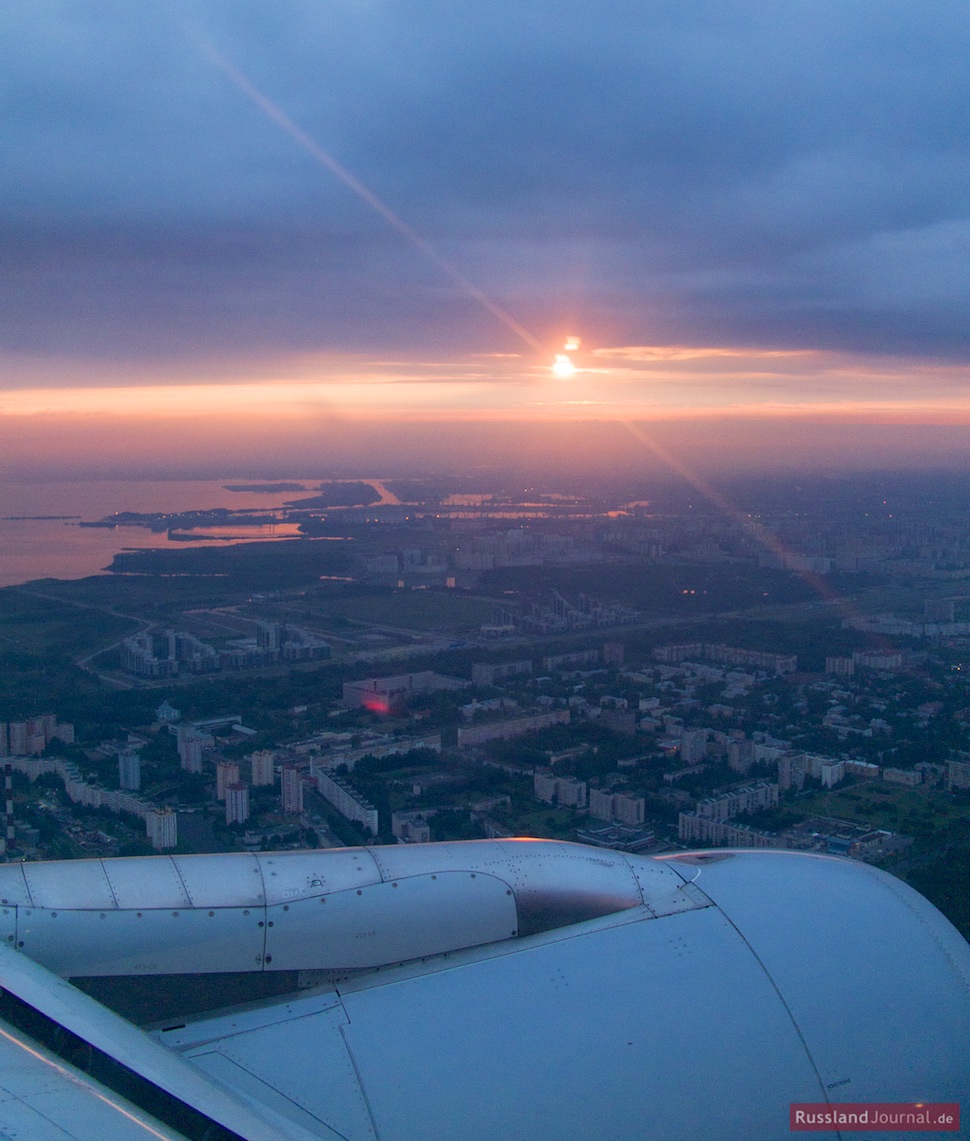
[(642, 353), (730, 172)]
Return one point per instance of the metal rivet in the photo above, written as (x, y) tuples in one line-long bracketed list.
[(245, 913), (359, 892), (269, 958), (286, 907), (53, 915), (211, 913), (393, 885), (260, 923), (270, 924), (175, 915)]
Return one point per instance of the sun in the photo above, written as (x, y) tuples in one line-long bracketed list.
[(563, 367)]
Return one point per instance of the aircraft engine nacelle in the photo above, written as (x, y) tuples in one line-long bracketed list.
[(335, 909)]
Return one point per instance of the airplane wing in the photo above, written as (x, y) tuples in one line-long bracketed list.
[(73, 1068), (631, 998), (45, 1099)]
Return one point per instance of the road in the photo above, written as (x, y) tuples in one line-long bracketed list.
[(143, 626)]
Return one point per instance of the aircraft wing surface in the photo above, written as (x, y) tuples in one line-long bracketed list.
[(622, 999), (553, 1041), (42, 1098), (48, 1022)]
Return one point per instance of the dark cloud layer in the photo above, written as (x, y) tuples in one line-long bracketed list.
[(711, 170)]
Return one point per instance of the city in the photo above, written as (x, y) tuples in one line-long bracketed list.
[(640, 675)]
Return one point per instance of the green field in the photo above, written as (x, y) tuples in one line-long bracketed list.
[(665, 588), (44, 626), (893, 807), (411, 609), (249, 566), (140, 596)]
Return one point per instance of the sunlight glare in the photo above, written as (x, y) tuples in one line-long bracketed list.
[(563, 367)]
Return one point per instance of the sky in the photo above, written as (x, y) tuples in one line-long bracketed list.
[(241, 238)]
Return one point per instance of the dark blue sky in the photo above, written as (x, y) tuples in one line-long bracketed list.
[(751, 172)]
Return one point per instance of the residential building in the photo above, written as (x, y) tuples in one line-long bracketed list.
[(621, 807), (573, 661), (291, 789), (382, 747), (742, 800), (162, 829), (777, 663), (237, 802), (565, 791), (693, 745), (227, 773), (902, 776), (263, 768), (129, 770), (469, 735), (64, 732), (190, 753), (856, 768), (411, 827), (488, 673), (791, 771), (347, 800), (831, 772), (740, 756), (693, 828), (878, 660), (958, 774), (18, 739)]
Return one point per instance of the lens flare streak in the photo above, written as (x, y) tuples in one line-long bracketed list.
[(364, 193)]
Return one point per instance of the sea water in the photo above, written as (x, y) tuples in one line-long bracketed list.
[(40, 536)]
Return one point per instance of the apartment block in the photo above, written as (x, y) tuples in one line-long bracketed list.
[(568, 792), (750, 799), (621, 807), (237, 803), (162, 829), (347, 800)]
